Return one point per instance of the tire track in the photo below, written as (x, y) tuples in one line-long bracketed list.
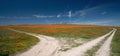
[(82, 49), (105, 48)]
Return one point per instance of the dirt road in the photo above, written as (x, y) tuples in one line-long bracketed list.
[(82, 49), (105, 48), (49, 46), (46, 47)]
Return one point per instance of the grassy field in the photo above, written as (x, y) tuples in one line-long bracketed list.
[(116, 44), (66, 30), (12, 42), (9, 42), (70, 35)]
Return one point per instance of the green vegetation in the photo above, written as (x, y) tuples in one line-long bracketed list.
[(116, 44), (68, 35), (87, 33), (12, 42)]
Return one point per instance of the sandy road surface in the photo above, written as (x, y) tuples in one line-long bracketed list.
[(80, 50), (105, 48), (46, 47)]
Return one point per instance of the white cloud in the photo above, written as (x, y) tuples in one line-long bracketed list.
[(82, 13), (103, 22), (58, 16), (70, 14), (103, 13), (85, 11), (43, 16), (10, 17)]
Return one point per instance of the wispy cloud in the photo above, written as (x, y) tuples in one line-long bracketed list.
[(15, 17), (88, 10), (67, 14), (58, 16), (102, 22), (43, 16), (85, 11), (70, 14), (103, 13)]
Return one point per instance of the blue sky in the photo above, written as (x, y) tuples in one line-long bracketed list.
[(96, 12)]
